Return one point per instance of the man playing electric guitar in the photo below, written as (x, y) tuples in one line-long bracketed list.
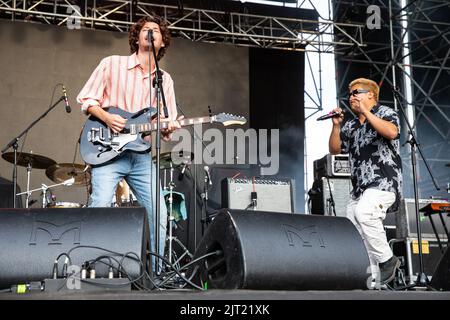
[(123, 82)]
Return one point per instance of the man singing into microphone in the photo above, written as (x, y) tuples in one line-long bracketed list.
[(372, 142), (123, 82)]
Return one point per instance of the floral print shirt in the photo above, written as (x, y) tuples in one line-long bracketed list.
[(374, 160)]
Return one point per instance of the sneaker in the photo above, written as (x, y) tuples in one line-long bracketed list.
[(388, 268)]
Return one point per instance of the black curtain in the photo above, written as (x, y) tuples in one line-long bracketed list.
[(276, 102)]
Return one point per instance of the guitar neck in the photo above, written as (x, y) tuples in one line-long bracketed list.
[(147, 127)]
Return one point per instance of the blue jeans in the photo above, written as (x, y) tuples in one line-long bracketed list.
[(137, 169)]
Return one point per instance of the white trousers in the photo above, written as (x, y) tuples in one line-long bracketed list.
[(367, 214)]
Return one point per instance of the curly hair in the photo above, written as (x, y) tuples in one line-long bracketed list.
[(135, 29)]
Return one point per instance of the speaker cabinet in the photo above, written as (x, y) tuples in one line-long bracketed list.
[(33, 238), (406, 220), (275, 195), (327, 188), (266, 250), (441, 277)]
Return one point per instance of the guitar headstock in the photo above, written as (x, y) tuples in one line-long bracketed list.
[(228, 119)]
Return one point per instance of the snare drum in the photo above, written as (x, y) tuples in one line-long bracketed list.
[(61, 204)]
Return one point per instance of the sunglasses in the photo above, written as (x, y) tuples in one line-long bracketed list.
[(357, 91)]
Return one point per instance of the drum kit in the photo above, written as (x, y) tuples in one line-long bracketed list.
[(63, 174)]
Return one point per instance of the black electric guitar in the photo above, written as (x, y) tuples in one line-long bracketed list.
[(98, 144)]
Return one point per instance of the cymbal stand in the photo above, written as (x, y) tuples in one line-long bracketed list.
[(44, 188), (29, 167), (14, 143), (171, 217), (172, 222)]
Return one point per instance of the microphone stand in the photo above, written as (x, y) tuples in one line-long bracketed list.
[(14, 144), (422, 279), (195, 138), (159, 96), (205, 197), (44, 188), (331, 199)]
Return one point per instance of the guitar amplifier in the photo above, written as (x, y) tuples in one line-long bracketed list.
[(274, 195), (332, 165), (327, 188)]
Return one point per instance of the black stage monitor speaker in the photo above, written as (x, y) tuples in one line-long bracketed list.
[(31, 240), (266, 250), (441, 277)]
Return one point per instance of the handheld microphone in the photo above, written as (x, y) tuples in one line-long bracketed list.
[(206, 168), (68, 110), (332, 114)]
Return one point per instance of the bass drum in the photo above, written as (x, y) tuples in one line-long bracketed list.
[(62, 204), (124, 196)]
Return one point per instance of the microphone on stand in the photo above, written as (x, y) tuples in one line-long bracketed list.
[(184, 168), (181, 175), (332, 114), (159, 73), (68, 110), (69, 182), (206, 168), (150, 37)]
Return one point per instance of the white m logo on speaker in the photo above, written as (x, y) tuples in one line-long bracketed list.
[(55, 231), (305, 235)]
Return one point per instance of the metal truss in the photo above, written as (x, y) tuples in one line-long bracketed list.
[(191, 23), (428, 71), (240, 29)]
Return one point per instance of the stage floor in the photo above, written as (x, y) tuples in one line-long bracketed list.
[(232, 295)]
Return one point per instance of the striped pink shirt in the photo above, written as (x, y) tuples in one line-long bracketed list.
[(119, 81)]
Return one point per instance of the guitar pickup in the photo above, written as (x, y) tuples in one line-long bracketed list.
[(92, 134), (102, 135), (133, 129)]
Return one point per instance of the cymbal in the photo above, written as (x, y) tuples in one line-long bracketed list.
[(23, 159), (182, 157), (61, 172)]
